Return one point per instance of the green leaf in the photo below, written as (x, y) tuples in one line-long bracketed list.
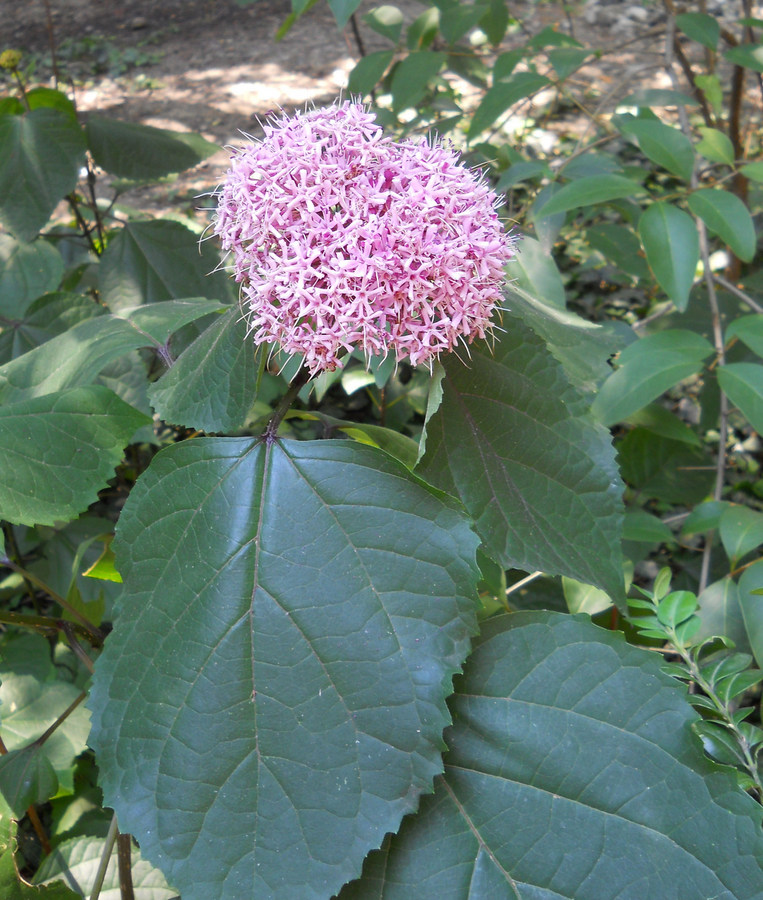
[(589, 190), (495, 22), (642, 526), (751, 605), (620, 244), (456, 18), (647, 368), (70, 359), (46, 317), (750, 56), (564, 738), (665, 423), (535, 271), (29, 705), (514, 441), (321, 598), (743, 384), (343, 9), (40, 157), (663, 469), (671, 242), (76, 860), (11, 885), (213, 384), (749, 330), (584, 598), (26, 272), (75, 437), (726, 215), (159, 260), (710, 85), (567, 60), (662, 144), (501, 97), (582, 347), (26, 777), (704, 517), (368, 72), (741, 532), (648, 97), (132, 150), (715, 146), (700, 27), (386, 21), (411, 77), (160, 320), (49, 98), (753, 171)]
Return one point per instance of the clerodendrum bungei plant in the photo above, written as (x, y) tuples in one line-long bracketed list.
[(315, 686)]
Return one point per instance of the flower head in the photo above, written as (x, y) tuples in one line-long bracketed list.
[(343, 238)]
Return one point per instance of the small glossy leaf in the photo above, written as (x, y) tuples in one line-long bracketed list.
[(721, 614), (132, 150), (743, 384), (411, 77), (750, 56), (589, 190), (662, 144), (386, 21), (704, 517), (646, 528), (26, 778), (368, 72), (676, 607), (321, 598), (212, 385), (716, 146), (663, 422), (564, 738), (751, 605), (27, 271), (648, 367), (753, 171), (545, 493), (159, 260), (726, 215), (749, 330), (700, 27), (76, 437), (671, 243), (40, 156), (501, 97), (620, 244), (648, 97), (343, 9), (741, 532), (77, 859)]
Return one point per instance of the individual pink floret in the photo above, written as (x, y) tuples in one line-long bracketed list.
[(343, 238)]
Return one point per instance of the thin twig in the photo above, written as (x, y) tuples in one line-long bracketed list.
[(733, 289), (103, 865)]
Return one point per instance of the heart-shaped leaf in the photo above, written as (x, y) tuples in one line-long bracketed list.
[(272, 698)]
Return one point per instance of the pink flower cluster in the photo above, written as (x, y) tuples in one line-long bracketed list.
[(343, 238)]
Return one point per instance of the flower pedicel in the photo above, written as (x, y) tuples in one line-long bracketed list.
[(343, 238)]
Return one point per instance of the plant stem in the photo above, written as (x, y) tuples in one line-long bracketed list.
[(32, 816), (103, 864), (124, 859), (271, 429), (62, 718)]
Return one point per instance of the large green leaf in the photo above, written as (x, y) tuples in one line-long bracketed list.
[(671, 244), (131, 150), (743, 383), (26, 272), (727, 216), (159, 260), (412, 75), (213, 384), (58, 450), (40, 156), (572, 773), (669, 470), (741, 532), (69, 359), (514, 441), (649, 367), (751, 605), (272, 698), (48, 316)]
